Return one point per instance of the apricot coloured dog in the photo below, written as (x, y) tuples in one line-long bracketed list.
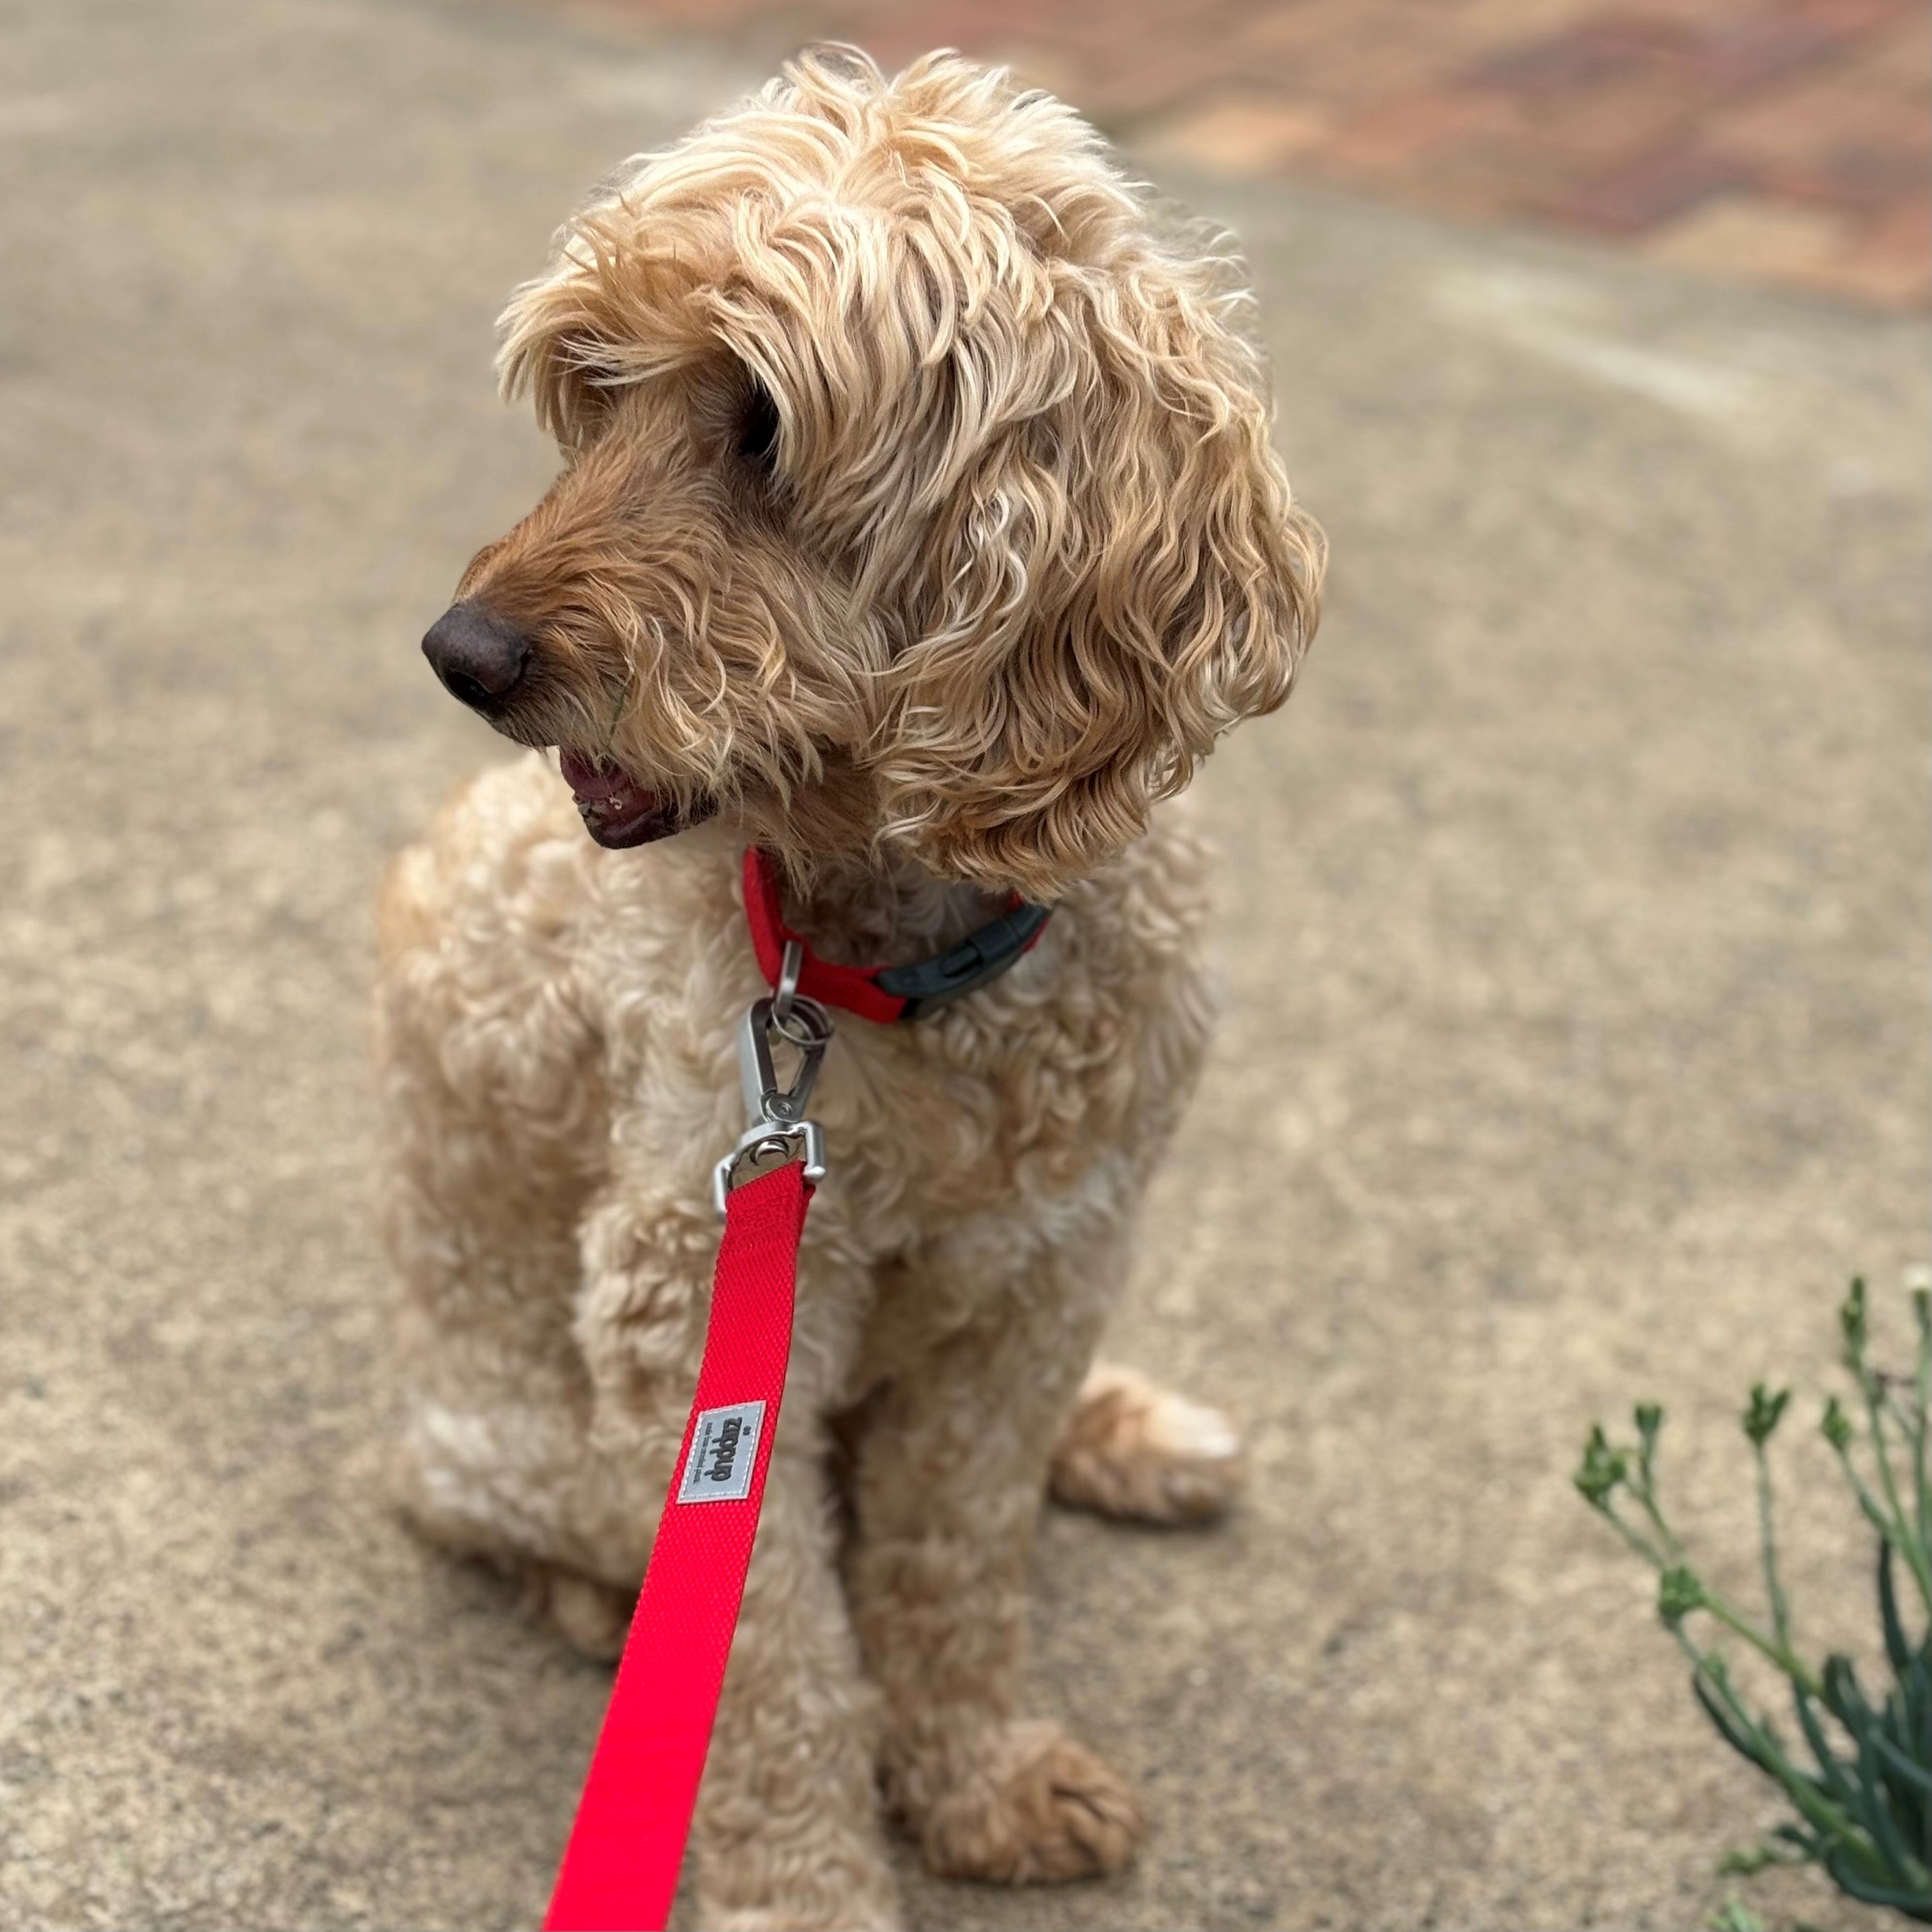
[(918, 523)]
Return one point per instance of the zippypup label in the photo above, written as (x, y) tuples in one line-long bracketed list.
[(724, 1452)]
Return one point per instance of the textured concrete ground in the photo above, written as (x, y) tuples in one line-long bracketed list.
[(1576, 937)]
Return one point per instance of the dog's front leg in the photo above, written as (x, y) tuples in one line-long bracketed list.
[(788, 1833), (950, 1476)]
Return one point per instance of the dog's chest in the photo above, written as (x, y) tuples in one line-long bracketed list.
[(1081, 1056)]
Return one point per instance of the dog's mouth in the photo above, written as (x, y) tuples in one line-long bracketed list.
[(616, 811)]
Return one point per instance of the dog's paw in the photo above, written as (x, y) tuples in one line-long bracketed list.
[(591, 1617), (1133, 1449), (1044, 1810)]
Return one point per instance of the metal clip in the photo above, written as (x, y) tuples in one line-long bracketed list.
[(778, 1132), (791, 964)]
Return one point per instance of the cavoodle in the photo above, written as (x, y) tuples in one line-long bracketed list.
[(919, 525)]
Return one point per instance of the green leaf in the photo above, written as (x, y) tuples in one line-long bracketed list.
[(1873, 1810), (1915, 1774), (1844, 1697), (1896, 1648), (1914, 1902), (1830, 1771), (1723, 1710), (1914, 1692), (1764, 1412)]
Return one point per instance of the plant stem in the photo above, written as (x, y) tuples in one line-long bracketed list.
[(1896, 1531), (1819, 1811), (1868, 1502), (1781, 1610), (1642, 1545), (1778, 1652), (1922, 1436), (1646, 1495)]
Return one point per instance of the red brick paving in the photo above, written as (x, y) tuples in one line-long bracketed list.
[(1786, 141)]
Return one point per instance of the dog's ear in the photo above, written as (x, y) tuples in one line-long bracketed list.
[(1118, 574)]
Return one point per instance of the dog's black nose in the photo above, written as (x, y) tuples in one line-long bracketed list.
[(480, 657)]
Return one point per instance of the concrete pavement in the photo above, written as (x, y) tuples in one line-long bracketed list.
[(1576, 938)]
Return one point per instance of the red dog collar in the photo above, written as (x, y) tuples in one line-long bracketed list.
[(886, 993)]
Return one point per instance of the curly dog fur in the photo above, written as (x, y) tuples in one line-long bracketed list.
[(919, 521)]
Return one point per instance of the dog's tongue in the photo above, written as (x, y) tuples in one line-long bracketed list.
[(603, 788), (616, 811)]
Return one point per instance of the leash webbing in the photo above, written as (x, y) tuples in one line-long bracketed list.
[(620, 1867)]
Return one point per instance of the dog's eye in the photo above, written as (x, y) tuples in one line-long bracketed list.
[(758, 427)]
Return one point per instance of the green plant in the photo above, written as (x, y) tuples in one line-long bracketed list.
[(1863, 1802)]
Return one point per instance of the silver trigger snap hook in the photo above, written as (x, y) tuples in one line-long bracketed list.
[(778, 1129)]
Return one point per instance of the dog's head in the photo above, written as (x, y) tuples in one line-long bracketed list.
[(915, 491)]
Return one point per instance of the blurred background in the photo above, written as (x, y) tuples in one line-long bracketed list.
[(1576, 932), (1780, 141)]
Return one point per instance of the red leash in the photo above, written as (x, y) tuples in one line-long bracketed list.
[(620, 1867)]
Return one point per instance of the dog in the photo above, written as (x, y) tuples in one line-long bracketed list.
[(919, 525)]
